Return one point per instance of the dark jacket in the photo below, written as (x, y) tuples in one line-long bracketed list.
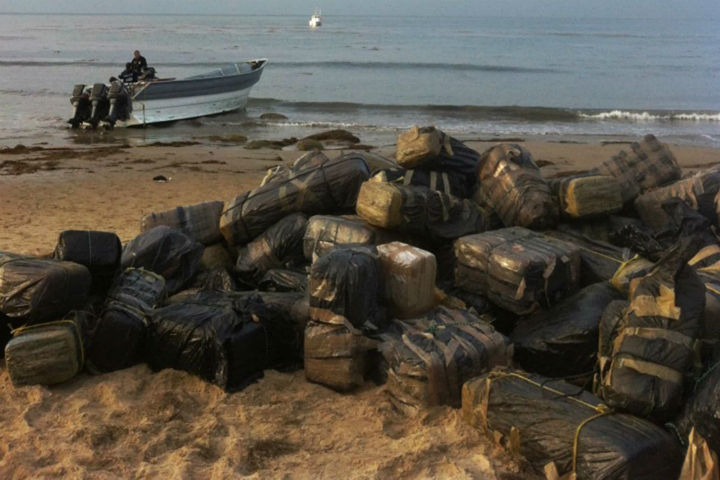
[(138, 64)]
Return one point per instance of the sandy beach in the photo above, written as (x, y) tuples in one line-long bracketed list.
[(136, 424)]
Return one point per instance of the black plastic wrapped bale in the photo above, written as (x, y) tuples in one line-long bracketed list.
[(222, 342), (635, 235), (98, 251), (430, 358), (215, 279), (433, 149), (683, 222), (551, 421), (34, 290), (517, 269), (702, 409), (450, 183), (46, 353), (329, 187), (344, 286), (420, 211), (5, 334), (600, 261), (707, 265), (118, 339), (511, 184), (587, 196), (336, 355), (216, 256), (563, 340), (200, 222), (698, 192), (655, 344), (278, 280), (167, 252), (324, 232), (607, 332), (647, 165), (279, 246)]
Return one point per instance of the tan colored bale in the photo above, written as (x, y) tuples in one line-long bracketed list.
[(201, 222), (380, 204), (590, 196), (409, 277), (418, 144)]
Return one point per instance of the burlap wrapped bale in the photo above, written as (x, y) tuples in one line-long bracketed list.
[(563, 340), (587, 196), (46, 353), (655, 344), (165, 251), (550, 421), (279, 246), (409, 278), (323, 232), (98, 251), (200, 222), (698, 192), (511, 184), (118, 340), (34, 290), (429, 358), (336, 355), (420, 211), (329, 187), (516, 268), (647, 165)]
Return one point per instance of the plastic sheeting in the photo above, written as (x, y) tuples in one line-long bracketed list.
[(446, 182), (702, 409), (648, 164), (511, 184), (278, 280), (409, 278), (334, 282), (33, 290), (429, 358), (167, 252), (118, 340), (98, 251), (279, 246), (563, 340), (329, 187), (324, 232), (517, 269), (654, 345), (200, 222), (551, 421), (228, 343)]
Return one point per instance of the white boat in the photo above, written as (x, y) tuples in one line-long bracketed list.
[(316, 19), (157, 100)]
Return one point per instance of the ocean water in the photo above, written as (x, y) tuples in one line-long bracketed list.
[(475, 77)]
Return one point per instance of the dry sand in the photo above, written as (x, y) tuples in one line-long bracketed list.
[(134, 423)]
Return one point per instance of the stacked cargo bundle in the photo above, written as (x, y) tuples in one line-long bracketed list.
[(200, 222), (587, 196), (323, 232)]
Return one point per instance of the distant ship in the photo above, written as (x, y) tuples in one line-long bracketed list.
[(316, 19)]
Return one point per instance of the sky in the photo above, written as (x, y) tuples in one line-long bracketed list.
[(709, 9)]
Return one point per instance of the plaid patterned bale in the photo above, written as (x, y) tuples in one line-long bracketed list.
[(199, 222)]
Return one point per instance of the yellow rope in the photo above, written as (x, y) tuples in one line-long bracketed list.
[(576, 440), (595, 252)]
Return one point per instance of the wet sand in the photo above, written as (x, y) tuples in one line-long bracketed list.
[(134, 423)]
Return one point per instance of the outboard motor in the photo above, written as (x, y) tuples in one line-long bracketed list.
[(100, 103), (148, 73), (80, 101), (120, 104)]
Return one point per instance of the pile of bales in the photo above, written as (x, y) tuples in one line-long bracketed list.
[(575, 320)]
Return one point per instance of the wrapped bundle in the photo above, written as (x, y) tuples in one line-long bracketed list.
[(279, 280), (4, 333), (200, 222), (409, 278), (336, 355), (334, 283), (323, 232), (512, 185), (629, 270), (278, 246), (698, 192), (647, 165), (654, 344), (702, 410), (118, 339), (432, 149), (216, 256), (707, 265), (47, 353), (446, 182), (587, 196), (429, 358), (328, 187), (167, 252), (215, 279), (563, 340), (35, 290), (516, 268), (420, 211), (282, 172), (223, 342), (549, 421), (98, 251)]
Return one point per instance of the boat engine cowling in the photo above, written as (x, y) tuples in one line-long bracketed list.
[(100, 103), (77, 93), (80, 101), (120, 104)]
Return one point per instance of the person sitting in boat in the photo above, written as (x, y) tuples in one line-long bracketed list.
[(138, 63)]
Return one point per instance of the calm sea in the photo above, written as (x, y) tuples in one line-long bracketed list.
[(471, 76)]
